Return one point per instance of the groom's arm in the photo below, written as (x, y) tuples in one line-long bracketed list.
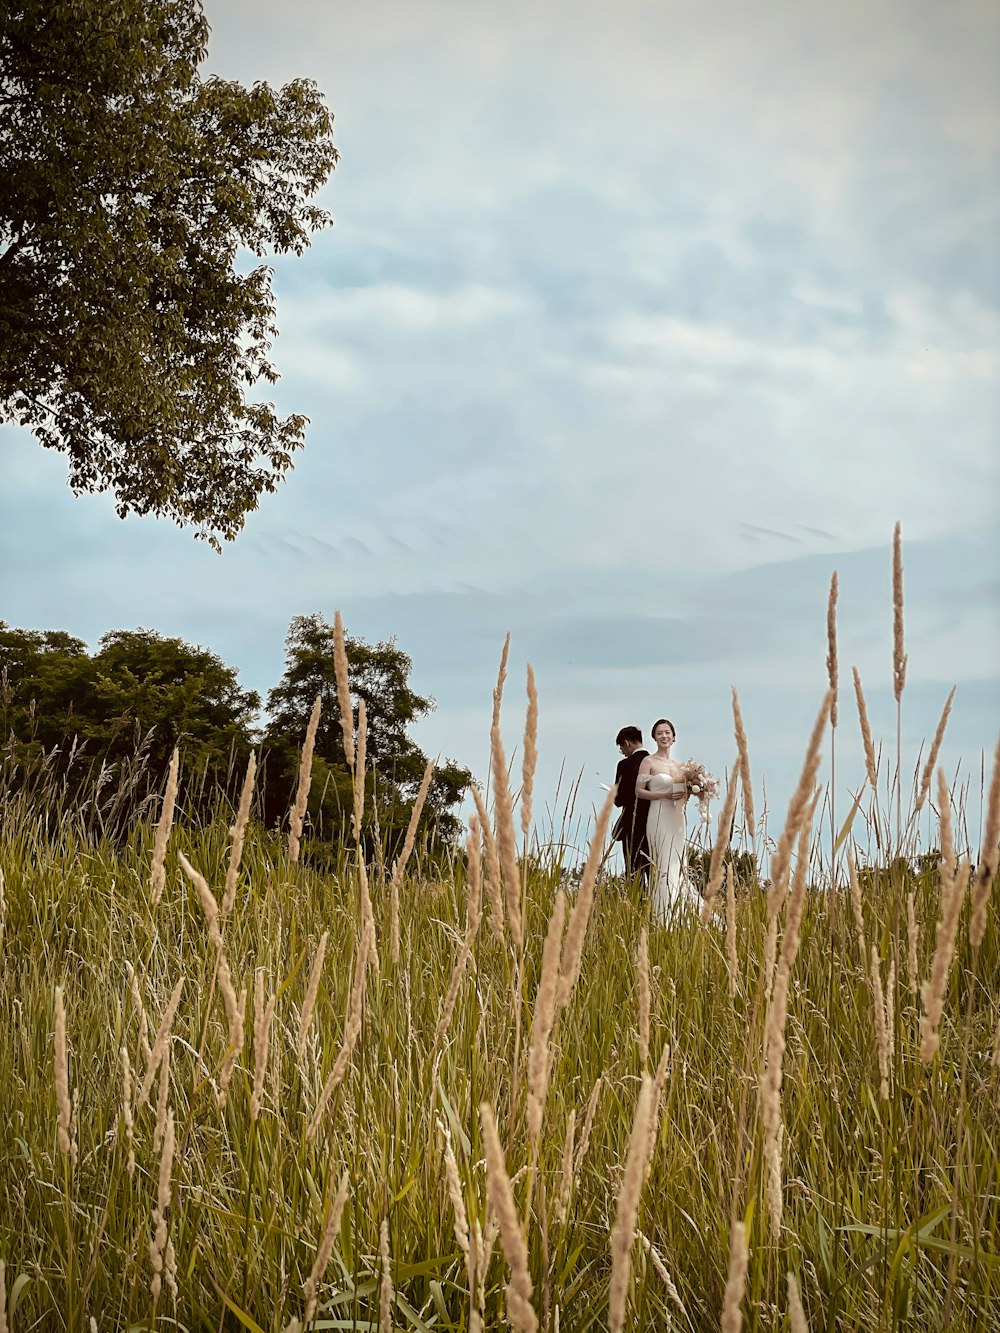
[(628, 771), (619, 773)]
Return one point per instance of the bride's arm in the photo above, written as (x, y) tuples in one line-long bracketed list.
[(641, 781)]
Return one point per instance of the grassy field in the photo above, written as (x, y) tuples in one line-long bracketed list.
[(483, 1096)]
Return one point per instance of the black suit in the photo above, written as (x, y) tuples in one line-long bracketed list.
[(630, 828)]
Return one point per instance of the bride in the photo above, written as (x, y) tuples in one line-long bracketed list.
[(660, 781)]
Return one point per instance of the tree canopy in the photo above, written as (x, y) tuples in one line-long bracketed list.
[(138, 689), (379, 674), (143, 693), (129, 336)]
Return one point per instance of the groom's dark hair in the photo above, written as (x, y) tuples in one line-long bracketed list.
[(628, 734)]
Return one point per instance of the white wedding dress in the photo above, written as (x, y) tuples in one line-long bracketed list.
[(671, 890)]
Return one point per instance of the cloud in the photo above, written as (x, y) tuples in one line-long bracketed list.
[(634, 323)]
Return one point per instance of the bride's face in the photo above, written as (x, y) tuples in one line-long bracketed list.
[(664, 737)]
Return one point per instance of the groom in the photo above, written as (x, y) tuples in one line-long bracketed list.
[(630, 827)]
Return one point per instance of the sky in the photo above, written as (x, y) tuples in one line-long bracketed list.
[(635, 323)]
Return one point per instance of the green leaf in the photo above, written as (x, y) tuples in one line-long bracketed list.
[(18, 1288), (246, 1320), (845, 828)]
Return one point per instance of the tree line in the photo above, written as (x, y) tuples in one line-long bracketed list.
[(89, 718)]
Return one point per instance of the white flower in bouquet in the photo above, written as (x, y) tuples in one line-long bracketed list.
[(700, 783)]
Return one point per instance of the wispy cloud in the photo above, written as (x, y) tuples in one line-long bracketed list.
[(635, 322)]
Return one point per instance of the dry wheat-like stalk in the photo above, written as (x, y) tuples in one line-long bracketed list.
[(717, 864), (404, 856), (882, 1037), (566, 1170), (263, 1016), (325, 1248), (542, 1021), (796, 1313), (62, 1074), (912, 944), (455, 1193), (770, 951), (530, 759), (385, 1286), (343, 688), (744, 754), (157, 874), (360, 764), (588, 1123), (989, 858), (661, 1268), (925, 777), (127, 1109), (298, 810), (871, 763), (169, 1272), (797, 807), (856, 904), (3, 911), (140, 1010), (367, 913), (501, 677), (506, 838), (777, 1015), (833, 674), (503, 810), (933, 990), (995, 1057), (623, 1231), (576, 931), (158, 1243), (159, 1047), (774, 1160), (473, 917), (162, 1100), (352, 1030), (237, 1035), (732, 1319), (238, 834), (948, 857), (474, 880), (659, 1083), (644, 996), (3, 1298), (312, 991), (890, 1003), (235, 1004), (732, 956), (898, 653), (520, 1310), (493, 877)]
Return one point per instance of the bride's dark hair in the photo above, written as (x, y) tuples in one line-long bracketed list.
[(658, 723)]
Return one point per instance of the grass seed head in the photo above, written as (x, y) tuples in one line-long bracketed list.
[(833, 674), (64, 1110), (157, 875), (238, 835), (898, 653), (530, 760), (989, 857), (343, 688)]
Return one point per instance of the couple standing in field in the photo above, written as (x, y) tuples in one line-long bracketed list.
[(652, 793)]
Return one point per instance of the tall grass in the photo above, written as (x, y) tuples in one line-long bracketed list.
[(463, 1130)]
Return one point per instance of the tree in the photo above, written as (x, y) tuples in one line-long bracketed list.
[(128, 336), (139, 686), (379, 674), (186, 695)]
